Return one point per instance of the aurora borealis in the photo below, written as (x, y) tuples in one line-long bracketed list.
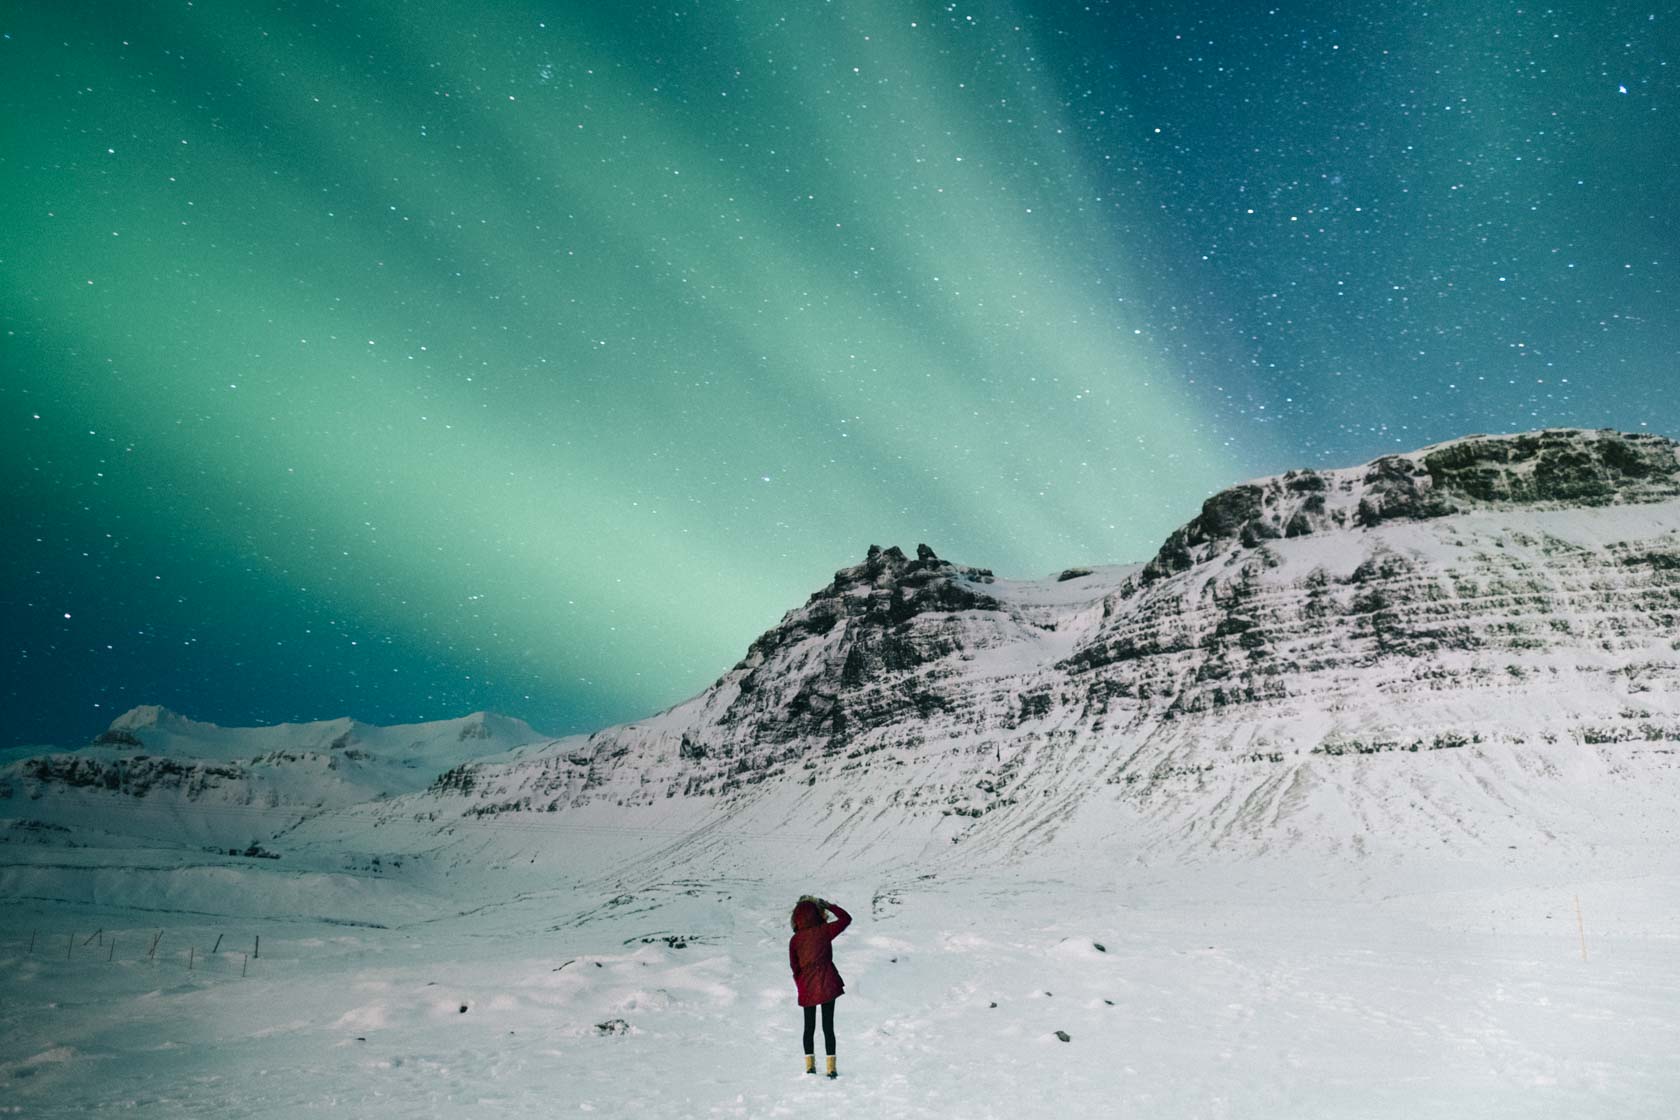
[(398, 360)]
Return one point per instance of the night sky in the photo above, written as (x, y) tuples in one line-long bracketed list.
[(402, 359)]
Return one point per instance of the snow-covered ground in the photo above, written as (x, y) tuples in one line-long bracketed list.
[(1234, 991)]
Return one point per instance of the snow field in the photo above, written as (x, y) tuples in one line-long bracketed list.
[(675, 1002)]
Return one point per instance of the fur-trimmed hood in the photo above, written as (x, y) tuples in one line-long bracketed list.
[(806, 915)]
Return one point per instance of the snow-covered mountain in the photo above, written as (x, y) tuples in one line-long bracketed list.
[(1468, 649), (157, 775), (406, 747)]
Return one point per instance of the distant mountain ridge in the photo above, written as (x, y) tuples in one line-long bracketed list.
[(160, 730), (159, 775), (1467, 649)]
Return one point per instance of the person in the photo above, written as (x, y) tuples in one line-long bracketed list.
[(811, 956)]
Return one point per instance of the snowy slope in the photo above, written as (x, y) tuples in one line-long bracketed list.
[(1180, 999)]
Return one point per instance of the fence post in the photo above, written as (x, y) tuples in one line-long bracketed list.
[(68, 948), (190, 950), (32, 940), (112, 955), (1581, 925), (151, 954), (258, 947), (246, 965), (218, 947)]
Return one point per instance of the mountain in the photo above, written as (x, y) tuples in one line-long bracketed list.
[(404, 749), (157, 775), (1466, 652)]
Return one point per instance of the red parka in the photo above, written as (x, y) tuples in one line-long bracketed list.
[(811, 953)]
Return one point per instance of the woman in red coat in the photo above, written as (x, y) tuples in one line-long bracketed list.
[(811, 956)]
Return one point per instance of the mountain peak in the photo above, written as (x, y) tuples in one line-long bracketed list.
[(494, 725), (884, 567), (143, 716), (148, 720), (876, 618), (888, 588)]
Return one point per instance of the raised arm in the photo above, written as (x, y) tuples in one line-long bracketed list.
[(838, 925)]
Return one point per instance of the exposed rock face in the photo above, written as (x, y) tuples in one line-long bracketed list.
[(878, 619), (1583, 468), (1557, 467)]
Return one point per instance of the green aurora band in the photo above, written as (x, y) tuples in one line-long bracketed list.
[(563, 350)]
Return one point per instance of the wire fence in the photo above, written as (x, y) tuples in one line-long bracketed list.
[(157, 948), (527, 819)]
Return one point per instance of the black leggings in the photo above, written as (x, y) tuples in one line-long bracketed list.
[(828, 1027)]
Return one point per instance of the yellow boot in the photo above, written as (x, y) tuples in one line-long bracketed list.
[(831, 1072), (810, 1063)]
